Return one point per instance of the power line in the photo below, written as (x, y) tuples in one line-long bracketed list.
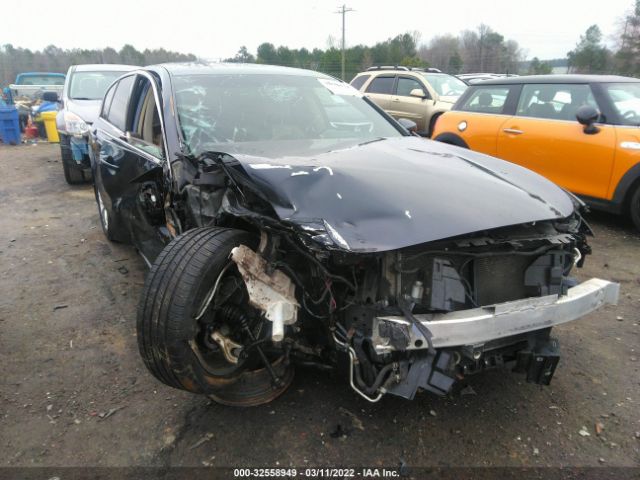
[(343, 10)]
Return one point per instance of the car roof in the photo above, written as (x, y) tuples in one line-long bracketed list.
[(400, 72), (551, 79), (234, 69), (104, 67), (38, 74)]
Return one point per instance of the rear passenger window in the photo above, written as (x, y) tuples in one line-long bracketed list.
[(358, 82), (381, 85), (117, 115), (556, 102), (486, 100)]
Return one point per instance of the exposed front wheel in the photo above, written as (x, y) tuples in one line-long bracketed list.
[(73, 173), (196, 330)]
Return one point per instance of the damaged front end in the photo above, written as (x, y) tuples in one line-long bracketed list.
[(416, 317)]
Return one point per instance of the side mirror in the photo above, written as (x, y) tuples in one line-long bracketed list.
[(418, 92), (588, 116), (409, 125), (50, 97)]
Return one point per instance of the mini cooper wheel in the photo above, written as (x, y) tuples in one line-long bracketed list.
[(196, 330), (634, 207)]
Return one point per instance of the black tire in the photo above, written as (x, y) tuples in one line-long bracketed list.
[(167, 330), (105, 217), (634, 207), (72, 173)]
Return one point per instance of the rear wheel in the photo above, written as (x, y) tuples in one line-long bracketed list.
[(634, 207), (194, 323)]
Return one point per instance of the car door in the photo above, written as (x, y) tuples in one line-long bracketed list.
[(479, 116), (545, 137), (129, 163), (403, 105), (380, 90)]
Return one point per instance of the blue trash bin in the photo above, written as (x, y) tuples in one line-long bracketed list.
[(9, 125)]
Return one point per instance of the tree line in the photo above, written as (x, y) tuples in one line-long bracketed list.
[(591, 55), (399, 50), (14, 60)]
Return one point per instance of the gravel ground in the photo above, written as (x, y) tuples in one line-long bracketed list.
[(74, 390)]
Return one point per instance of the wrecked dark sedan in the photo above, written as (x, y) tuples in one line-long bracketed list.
[(290, 223)]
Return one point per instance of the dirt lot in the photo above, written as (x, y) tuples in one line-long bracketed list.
[(74, 390)]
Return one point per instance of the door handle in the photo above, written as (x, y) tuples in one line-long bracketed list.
[(513, 131)]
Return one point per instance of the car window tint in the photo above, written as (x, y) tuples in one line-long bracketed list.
[(118, 110), (358, 82), (107, 101), (486, 100), (405, 85), (381, 85), (556, 102)]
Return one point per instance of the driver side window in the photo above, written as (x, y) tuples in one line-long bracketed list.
[(146, 130)]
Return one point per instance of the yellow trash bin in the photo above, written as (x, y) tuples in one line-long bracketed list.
[(49, 119)]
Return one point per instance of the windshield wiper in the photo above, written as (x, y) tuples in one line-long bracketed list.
[(372, 141), (83, 98)]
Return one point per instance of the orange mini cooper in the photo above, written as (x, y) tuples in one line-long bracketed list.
[(580, 131)]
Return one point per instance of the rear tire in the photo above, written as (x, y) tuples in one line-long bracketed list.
[(169, 334), (634, 207)]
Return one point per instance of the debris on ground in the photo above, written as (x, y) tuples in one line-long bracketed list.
[(355, 421), (203, 440), (123, 270), (432, 413), (584, 432), (536, 452), (599, 428), (59, 307), (104, 415)]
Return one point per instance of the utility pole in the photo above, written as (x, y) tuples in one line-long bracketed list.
[(343, 10)]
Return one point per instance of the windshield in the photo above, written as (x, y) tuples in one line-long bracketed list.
[(445, 85), (91, 85), (231, 113), (626, 100)]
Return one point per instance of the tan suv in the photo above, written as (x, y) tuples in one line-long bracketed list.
[(420, 95)]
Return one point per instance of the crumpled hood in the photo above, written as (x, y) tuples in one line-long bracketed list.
[(393, 193), (87, 110)]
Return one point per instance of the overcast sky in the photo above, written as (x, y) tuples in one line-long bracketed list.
[(213, 29)]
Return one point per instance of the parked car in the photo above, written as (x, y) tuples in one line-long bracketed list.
[(471, 78), (31, 84), (580, 131), (419, 95), (288, 220), (80, 105)]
